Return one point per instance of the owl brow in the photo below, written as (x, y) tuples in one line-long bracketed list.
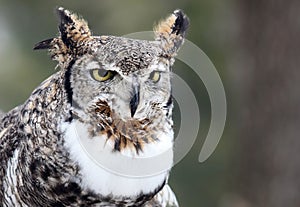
[(163, 71), (98, 64)]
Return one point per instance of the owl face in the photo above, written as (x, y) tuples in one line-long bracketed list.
[(118, 84), (130, 75)]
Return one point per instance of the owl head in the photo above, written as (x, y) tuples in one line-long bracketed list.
[(117, 80)]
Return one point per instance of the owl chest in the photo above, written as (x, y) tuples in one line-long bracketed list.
[(119, 174)]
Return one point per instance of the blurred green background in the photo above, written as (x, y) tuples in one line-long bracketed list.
[(242, 39)]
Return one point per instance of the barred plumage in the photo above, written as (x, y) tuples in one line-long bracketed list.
[(115, 94)]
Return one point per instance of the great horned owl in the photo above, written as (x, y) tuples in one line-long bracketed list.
[(112, 92)]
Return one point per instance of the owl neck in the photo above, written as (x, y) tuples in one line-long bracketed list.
[(120, 174)]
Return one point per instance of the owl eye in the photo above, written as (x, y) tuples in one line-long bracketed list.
[(102, 75), (155, 76)]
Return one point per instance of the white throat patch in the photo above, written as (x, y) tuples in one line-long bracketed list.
[(113, 173)]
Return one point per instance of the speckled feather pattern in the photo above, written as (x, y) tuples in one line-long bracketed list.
[(36, 167), (44, 174)]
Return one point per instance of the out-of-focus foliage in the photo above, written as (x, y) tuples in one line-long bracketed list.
[(24, 23)]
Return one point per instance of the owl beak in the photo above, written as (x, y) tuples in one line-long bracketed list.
[(134, 102)]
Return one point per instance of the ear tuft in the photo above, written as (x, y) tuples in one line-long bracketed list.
[(171, 32), (73, 41), (74, 30), (181, 23)]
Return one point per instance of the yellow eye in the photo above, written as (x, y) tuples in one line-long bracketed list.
[(101, 74), (155, 76)]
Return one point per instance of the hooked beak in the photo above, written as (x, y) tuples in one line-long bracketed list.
[(134, 102)]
